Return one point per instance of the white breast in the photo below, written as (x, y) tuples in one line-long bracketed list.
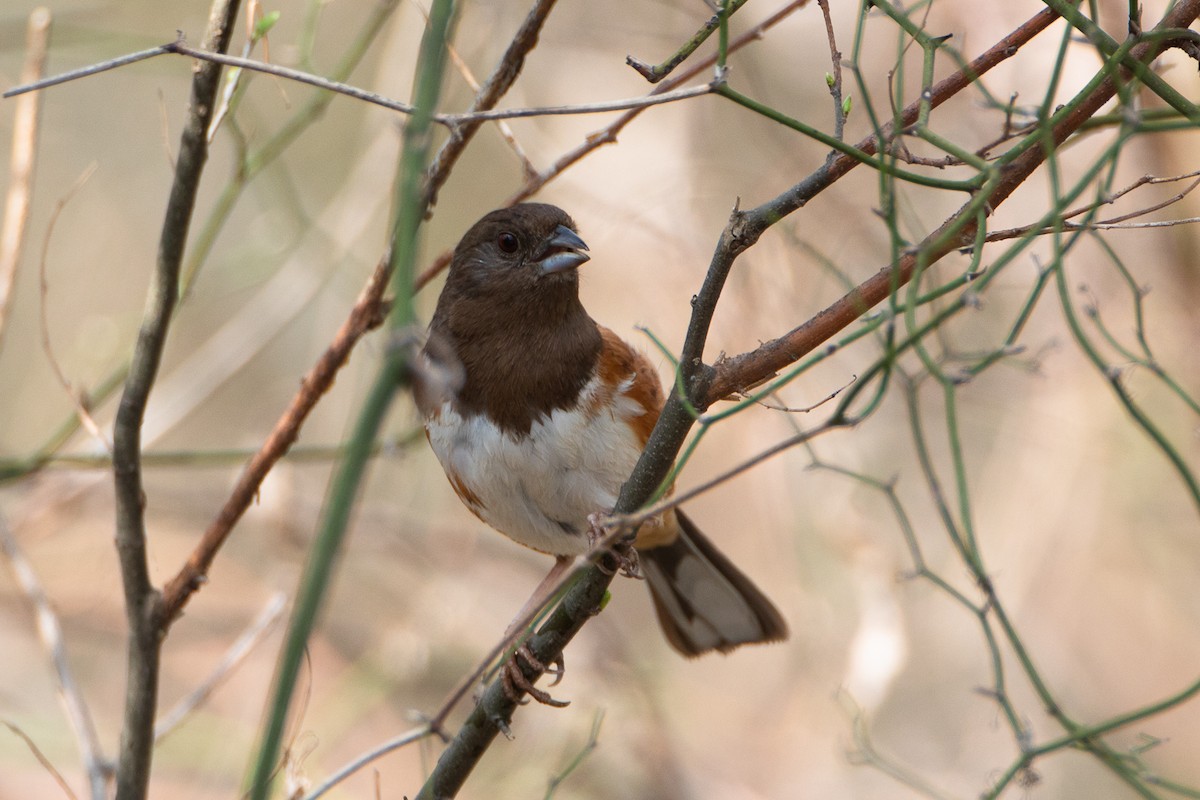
[(539, 489)]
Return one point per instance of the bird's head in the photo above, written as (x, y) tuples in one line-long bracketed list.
[(528, 248)]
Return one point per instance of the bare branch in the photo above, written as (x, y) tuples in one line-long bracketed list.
[(375, 753), (20, 180), (1120, 222), (654, 74), (237, 652), (95, 765), (749, 369), (637, 518), (42, 759), (142, 601), (94, 69), (77, 400), (366, 315), (452, 121)]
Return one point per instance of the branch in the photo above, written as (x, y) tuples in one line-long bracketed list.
[(255, 633), (46, 763), (365, 316), (495, 87), (455, 122), (654, 74), (95, 765), (142, 601), (20, 175)]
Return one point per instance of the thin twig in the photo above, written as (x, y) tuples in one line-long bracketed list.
[(391, 745), (95, 765), (94, 69), (505, 130), (41, 758), (1016, 233), (452, 121), (21, 164), (77, 400), (593, 741), (649, 512), (486, 97), (237, 652), (655, 73), (1117, 222), (834, 77), (1145, 180)]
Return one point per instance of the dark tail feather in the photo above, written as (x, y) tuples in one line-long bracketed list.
[(703, 601)]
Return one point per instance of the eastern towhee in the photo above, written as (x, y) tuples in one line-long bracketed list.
[(540, 414)]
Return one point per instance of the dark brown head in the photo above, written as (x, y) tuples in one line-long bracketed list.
[(524, 251), (510, 314)]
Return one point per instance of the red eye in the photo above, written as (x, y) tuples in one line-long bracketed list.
[(507, 242)]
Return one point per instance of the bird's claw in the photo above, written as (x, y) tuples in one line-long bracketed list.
[(514, 682), (621, 551)]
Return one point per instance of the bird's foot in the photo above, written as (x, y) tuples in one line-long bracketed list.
[(620, 556), (513, 679)]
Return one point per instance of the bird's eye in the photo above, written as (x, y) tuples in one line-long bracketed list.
[(507, 242)]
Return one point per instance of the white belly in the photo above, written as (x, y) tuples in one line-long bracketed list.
[(539, 489)]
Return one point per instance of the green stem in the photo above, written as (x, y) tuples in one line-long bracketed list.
[(349, 478)]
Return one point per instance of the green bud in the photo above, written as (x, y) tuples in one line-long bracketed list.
[(265, 24)]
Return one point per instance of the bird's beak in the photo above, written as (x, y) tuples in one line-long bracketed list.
[(562, 251)]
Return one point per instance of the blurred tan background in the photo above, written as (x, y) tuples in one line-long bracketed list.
[(1087, 532)]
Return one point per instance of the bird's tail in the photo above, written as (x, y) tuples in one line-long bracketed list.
[(703, 601)]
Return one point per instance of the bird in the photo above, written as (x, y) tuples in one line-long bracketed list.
[(538, 415)]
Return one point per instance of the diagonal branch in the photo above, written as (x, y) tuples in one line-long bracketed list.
[(656, 72), (495, 87), (95, 765)]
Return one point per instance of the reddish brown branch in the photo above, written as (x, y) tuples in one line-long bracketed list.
[(366, 315)]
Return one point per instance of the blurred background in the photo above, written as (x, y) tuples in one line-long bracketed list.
[(1087, 531)]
